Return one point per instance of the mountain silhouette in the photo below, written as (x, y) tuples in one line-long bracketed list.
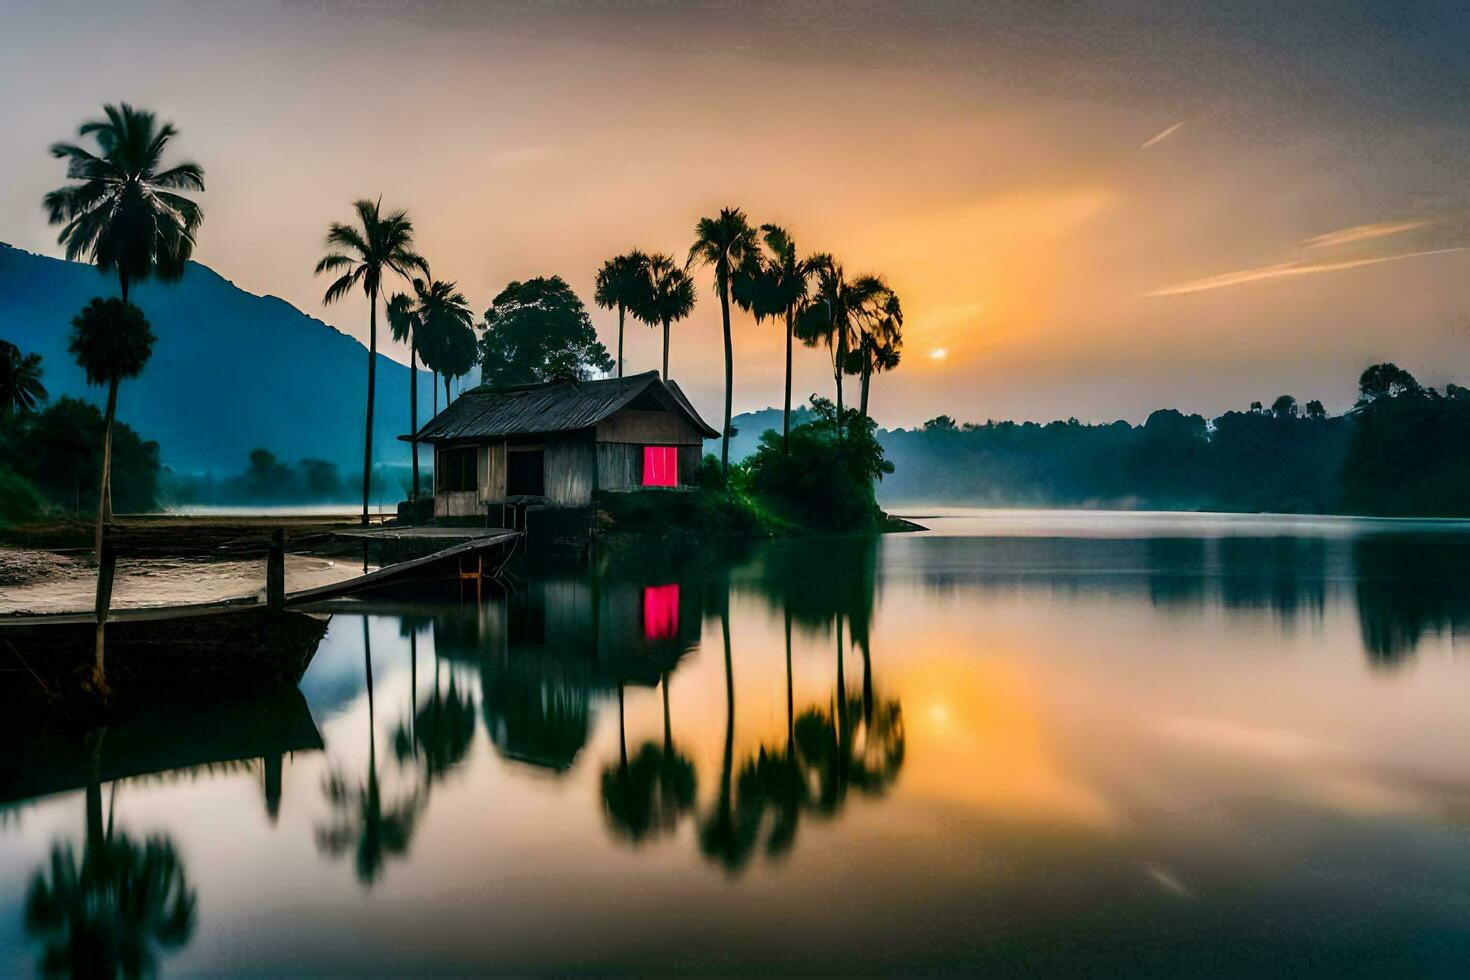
[(231, 371)]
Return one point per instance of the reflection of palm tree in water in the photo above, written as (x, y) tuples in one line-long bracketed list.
[(360, 822), (648, 796), (728, 834), (111, 914), (438, 735), (859, 744)]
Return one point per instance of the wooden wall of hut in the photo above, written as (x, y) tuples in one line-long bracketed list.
[(569, 472), (492, 471), (689, 460), (619, 465), (648, 429)]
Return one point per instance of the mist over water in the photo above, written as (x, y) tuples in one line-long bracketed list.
[(1016, 742)]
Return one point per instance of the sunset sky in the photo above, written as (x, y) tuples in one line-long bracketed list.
[(1089, 210)]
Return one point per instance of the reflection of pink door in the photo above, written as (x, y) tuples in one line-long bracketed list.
[(660, 611), (660, 466)]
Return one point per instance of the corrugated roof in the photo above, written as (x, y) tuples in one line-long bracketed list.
[(557, 406)]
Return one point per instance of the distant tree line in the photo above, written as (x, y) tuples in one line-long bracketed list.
[(1398, 451), (51, 459)]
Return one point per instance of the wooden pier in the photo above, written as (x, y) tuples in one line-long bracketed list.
[(477, 554)]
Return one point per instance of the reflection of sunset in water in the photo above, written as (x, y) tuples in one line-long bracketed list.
[(1171, 724), (980, 736)]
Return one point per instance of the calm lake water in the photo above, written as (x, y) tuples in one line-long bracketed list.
[(1020, 742)]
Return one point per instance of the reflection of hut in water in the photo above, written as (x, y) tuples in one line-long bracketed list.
[(544, 652)]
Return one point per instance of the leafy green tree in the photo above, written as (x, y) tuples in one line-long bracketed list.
[(361, 255), (537, 331), (1316, 411), (824, 480), (778, 284), (1285, 407), (1386, 381), (670, 298), (112, 342), (21, 390), (125, 213), (59, 449), (623, 284), (941, 423), (727, 244)]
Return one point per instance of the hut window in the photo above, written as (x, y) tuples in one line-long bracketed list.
[(457, 469), (525, 472), (660, 611), (660, 466)]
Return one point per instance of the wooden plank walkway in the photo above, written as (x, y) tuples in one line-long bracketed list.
[(403, 569)]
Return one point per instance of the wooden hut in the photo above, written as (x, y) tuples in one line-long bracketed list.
[(562, 441)]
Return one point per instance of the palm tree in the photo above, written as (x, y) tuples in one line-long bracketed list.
[(455, 351), (404, 324), (124, 215), (670, 297), (21, 389), (445, 315), (424, 320), (779, 283), (726, 243), (361, 254), (834, 311), (622, 285), (111, 342), (880, 343)]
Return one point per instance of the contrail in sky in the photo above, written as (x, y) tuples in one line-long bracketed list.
[(1284, 269), (1162, 136)]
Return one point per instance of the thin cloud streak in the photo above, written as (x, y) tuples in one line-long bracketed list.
[(1159, 138), (1359, 233), (1284, 270)]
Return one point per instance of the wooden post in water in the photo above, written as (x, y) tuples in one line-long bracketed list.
[(275, 571)]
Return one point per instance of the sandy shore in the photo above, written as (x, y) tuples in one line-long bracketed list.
[(34, 581)]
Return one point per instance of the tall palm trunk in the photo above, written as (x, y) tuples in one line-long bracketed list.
[(104, 489), (435, 386), (447, 399), (367, 450), (867, 377), (666, 350), (729, 378), (413, 420), (841, 359), (786, 414), (620, 340)]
